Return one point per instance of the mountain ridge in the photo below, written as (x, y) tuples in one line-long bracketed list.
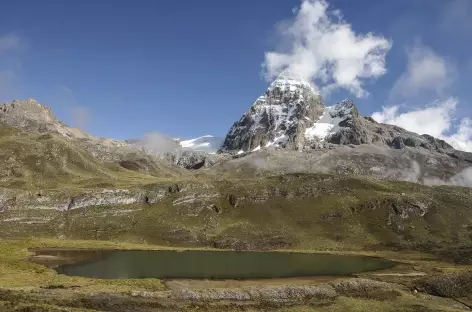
[(289, 116)]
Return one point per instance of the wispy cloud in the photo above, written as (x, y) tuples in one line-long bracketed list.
[(11, 47), (437, 119), (158, 144), (456, 16), (318, 46), (12, 43), (80, 115), (426, 72)]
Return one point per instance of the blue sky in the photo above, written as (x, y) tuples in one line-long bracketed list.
[(187, 68)]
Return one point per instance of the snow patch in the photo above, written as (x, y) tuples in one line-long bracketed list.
[(319, 130), (280, 140), (329, 122)]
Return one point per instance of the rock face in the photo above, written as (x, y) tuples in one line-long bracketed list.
[(279, 117), (194, 160), (33, 116)]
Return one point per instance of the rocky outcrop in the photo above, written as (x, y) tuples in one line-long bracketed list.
[(357, 130), (452, 285), (366, 289), (30, 115), (271, 294), (75, 200), (194, 160)]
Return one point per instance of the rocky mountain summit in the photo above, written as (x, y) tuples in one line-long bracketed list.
[(279, 117), (33, 116)]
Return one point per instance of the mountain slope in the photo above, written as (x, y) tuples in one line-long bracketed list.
[(29, 116), (33, 160)]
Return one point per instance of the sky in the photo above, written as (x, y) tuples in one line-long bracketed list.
[(123, 69)]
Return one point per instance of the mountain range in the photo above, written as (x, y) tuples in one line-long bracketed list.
[(287, 129)]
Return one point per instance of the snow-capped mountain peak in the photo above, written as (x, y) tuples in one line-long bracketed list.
[(288, 83), (278, 117), (206, 143)]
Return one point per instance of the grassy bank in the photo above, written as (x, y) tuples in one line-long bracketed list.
[(16, 272), (24, 285)]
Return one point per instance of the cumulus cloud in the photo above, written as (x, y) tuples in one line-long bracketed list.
[(318, 46), (426, 72), (462, 138), (437, 119)]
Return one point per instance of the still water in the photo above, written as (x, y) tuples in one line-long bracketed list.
[(205, 264)]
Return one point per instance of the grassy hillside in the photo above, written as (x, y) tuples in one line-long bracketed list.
[(31, 160), (312, 211), (306, 211)]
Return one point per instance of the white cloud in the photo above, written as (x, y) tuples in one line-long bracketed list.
[(11, 43), (320, 47), (462, 139), (436, 120), (426, 72)]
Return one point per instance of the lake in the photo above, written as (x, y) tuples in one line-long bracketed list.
[(164, 264)]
